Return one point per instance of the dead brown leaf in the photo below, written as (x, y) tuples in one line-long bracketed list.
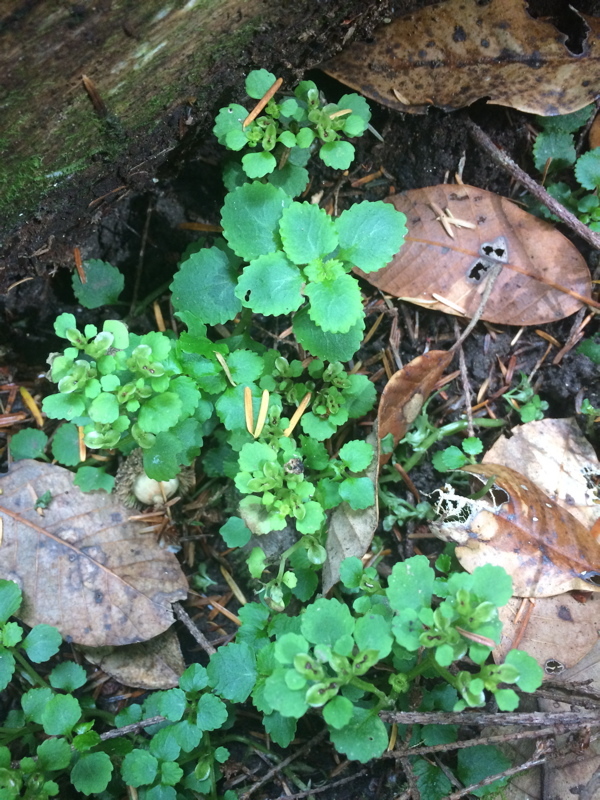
[(454, 53), (556, 456), (544, 549), (83, 567), (406, 391), (155, 664), (558, 632), (538, 262), (350, 532)]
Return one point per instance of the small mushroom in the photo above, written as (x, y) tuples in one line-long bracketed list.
[(134, 488)]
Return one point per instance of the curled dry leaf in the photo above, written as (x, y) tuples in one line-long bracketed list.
[(557, 631), (404, 394), (83, 567), (556, 456), (538, 262), (350, 532), (544, 549), (454, 53), (155, 664)]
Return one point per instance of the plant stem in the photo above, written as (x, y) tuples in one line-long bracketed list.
[(245, 318), (446, 430), (26, 666)]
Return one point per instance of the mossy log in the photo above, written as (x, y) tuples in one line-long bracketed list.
[(156, 72)]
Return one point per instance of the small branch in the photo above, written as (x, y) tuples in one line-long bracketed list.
[(135, 727), (534, 762), (189, 623), (567, 719), (325, 788), (533, 187)]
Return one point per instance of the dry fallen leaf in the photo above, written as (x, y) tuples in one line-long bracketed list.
[(557, 631), (454, 53), (155, 664), (350, 532), (406, 391), (556, 456), (544, 549), (536, 258), (83, 567)]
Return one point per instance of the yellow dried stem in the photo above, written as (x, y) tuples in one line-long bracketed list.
[(262, 103), (297, 414), (262, 414), (32, 406), (248, 409), (233, 586), (223, 363)]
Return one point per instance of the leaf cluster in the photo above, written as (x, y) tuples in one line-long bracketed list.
[(554, 153)]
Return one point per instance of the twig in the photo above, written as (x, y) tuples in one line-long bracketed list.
[(133, 728), (462, 744), (567, 719), (534, 762), (492, 277), (533, 187), (326, 787), (465, 381), (189, 623), (283, 764), (142, 253)]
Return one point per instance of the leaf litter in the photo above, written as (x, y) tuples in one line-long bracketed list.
[(83, 567)]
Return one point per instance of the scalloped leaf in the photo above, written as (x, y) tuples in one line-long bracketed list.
[(307, 233), (210, 267), (250, 218), (271, 285)]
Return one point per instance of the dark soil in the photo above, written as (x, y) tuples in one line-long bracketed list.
[(138, 233)]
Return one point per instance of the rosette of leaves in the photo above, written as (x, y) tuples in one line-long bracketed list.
[(125, 389), (281, 139)]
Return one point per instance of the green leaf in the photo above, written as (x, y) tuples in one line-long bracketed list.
[(531, 674), (28, 443), (10, 599), (91, 773), (41, 643), (160, 412), (104, 408), (63, 323), (359, 396), (65, 445), (271, 285), (258, 83), (479, 762), (373, 632), (288, 702), (250, 219), (337, 155), (449, 458), (492, 584), (236, 139), (411, 584), (337, 713), (357, 455), (568, 123), (194, 679), (507, 700), (170, 773), (232, 672), (307, 233), (335, 305), (208, 268), (357, 103), (245, 366), (281, 729), (212, 713), (472, 445), (257, 165), (63, 406), (370, 234), (139, 768), (61, 714), (230, 118), (351, 572), (325, 621), (34, 703), (7, 667), (92, 479), (104, 283), (235, 532), (363, 738), (324, 344), (359, 493), (560, 147), (432, 783), (119, 331), (54, 754), (172, 704), (291, 178), (68, 676), (587, 169), (11, 634)]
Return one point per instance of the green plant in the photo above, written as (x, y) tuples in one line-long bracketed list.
[(524, 400), (281, 139), (554, 152)]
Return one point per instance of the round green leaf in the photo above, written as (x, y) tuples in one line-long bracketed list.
[(139, 768), (28, 443), (104, 408), (307, 233), (232, 672), (61, 714), (257, 165), (587, 169), (104, 283), (160, 413), (370, 234), (250, 218), (91, 773), (271, 285), (41, 643), (207, 268), (65, 445), (235, 533), (68, 676), (10, 599), (337, 155), (357, 455), (258, 83), (363, 738), (325, 621), (326, 345)]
